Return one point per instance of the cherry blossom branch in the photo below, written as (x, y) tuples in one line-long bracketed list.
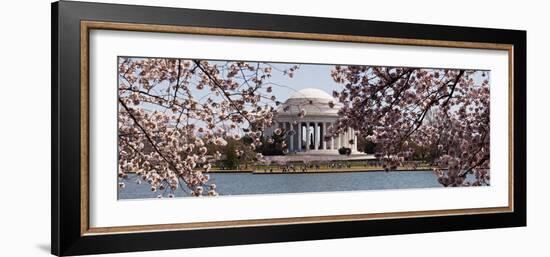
[(149, 139), (419, 121), (219, 87)]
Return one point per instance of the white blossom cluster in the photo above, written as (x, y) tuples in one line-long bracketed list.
[(407, 110), (172, 111)]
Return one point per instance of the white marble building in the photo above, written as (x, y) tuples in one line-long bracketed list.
[(310, 134)]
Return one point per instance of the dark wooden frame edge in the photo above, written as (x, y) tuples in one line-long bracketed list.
[(66, 209)]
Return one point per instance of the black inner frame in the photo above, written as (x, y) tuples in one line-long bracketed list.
[(65, 165)]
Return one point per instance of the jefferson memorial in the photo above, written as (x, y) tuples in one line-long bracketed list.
[(310, 134)]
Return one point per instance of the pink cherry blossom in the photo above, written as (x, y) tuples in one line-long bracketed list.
[(172, 110), (406, 110)]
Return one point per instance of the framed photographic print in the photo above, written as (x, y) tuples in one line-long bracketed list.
[(178, 128)]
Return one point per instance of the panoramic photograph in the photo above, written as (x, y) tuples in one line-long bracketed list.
[(196, 127)]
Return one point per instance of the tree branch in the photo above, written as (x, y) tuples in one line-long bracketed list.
[(219, 87), (129, 111)]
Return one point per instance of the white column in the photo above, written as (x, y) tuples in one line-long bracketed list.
[(324, 136), (312, 137), (355, 140), (283, 125), (316, 135), (291, 139), (286, 130), (307, 136), (331, 139), (346, 135), (350, 136), (299, 136), (344, 139)]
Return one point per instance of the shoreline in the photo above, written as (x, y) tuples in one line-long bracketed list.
[(317, 171)]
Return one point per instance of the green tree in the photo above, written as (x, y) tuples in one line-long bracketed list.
[(231, 157), (273, 146), (365, 145)]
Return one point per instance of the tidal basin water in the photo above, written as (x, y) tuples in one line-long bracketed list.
[(248, 183)]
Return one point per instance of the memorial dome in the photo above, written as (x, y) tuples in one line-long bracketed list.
[(313, 101)]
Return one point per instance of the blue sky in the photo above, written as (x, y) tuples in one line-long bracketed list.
[(307, 76)]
